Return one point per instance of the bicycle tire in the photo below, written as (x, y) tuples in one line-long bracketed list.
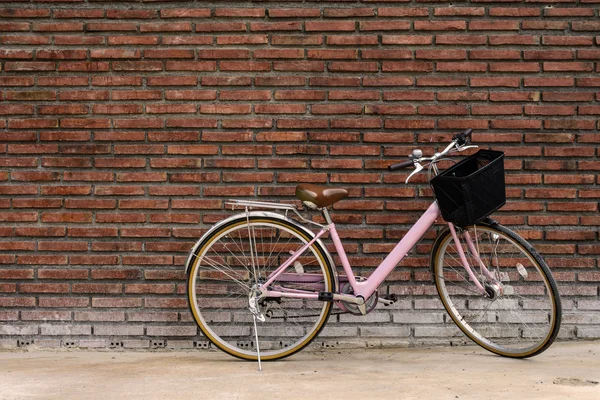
[(248, 353), (523, 284)]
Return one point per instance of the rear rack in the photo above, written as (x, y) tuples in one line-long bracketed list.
[(259, 204), (251, 204)]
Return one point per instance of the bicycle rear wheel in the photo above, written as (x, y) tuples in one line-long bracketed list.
[(237, 257), (519, 315)]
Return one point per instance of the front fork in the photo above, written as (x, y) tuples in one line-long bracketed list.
[(493, 287)]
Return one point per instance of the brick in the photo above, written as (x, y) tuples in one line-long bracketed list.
[(585, 25), (569, 12), (514, 12), (43, 288), (544, 25), (115, 53), (18, 217), (166, 27), (152, 316), (11, 109), (9, 316), (384, 25), (20, 330), (103, 316), (106, 288), (329, 26), (294, 12), (351, 40), (25, 39), (515, 96), (92, 232), (62, 246), (549, 110), (45, 315), (42, 260), (456, 40), (93, 260), (548, 55), (17, 301), (20, 66), (16, 273), (156, 288), (116, 246), (68, 110), (275, 26), (81, 96), (119, 330), (190, 94), (568, 41), (461, 67), (132, 40), (440, 25), (564, 82), (57, 27), (86, 177), (116, 274), (512, 67), (240, 12), (172, 330), (119, 218), (85, 66), (66, 217), (185, 13), (353, 67), (76, 40), (116, 302), (170, 53)]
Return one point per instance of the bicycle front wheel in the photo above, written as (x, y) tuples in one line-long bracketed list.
[(238, 257), (519, 314)]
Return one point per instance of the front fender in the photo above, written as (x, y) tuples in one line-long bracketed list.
[(244, 215)]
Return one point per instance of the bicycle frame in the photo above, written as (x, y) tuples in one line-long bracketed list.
[(367, 287)]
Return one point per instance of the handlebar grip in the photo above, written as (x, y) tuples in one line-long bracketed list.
[(400, 165), (464, 136)]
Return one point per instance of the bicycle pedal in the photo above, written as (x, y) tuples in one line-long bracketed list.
[(388, 299), (325, 296)]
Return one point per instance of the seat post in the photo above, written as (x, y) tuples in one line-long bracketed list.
[(326, 215)]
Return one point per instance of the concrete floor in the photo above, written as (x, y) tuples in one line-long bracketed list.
[(565, 371)]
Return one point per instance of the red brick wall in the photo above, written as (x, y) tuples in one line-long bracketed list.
[(124, 126)]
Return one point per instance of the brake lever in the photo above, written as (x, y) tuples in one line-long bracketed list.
[(467, 147), (418, 168)]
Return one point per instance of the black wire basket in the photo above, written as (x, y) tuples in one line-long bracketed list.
[(472, 189)]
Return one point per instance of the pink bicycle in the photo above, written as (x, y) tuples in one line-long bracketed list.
[(262, 285)]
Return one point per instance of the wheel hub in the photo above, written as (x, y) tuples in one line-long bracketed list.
[(494, 290)]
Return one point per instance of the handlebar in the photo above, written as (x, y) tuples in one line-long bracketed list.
[(401, 165), (459, 143)]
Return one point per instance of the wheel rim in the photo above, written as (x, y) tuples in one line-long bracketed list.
[(223, 274), (519, 319)]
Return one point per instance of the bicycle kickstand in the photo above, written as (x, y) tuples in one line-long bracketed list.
[(257, 345)]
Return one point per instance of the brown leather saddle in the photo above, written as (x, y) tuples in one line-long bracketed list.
[(321, 196)]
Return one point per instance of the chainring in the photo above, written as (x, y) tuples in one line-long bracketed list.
[(351, 308)]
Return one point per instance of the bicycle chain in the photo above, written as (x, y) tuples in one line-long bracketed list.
[(304, 316)]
